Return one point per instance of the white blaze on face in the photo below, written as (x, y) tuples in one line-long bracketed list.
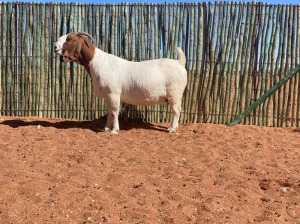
[(59, 44)]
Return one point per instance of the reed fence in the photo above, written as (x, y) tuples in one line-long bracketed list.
[(235, 52)]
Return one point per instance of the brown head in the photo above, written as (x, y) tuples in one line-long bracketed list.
[(75, 47)]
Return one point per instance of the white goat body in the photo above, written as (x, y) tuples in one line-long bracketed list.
[(140, 83)]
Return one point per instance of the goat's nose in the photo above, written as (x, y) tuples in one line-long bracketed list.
[(55, 49)]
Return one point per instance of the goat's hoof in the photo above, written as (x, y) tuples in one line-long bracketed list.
[(106, 129), (114, 132), (172, 129)]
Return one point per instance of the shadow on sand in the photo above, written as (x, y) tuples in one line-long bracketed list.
[(94, 125)]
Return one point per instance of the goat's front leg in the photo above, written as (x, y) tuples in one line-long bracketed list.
[(113, 107), (108, 125)]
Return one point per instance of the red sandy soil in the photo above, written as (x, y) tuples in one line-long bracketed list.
[(69, 171)]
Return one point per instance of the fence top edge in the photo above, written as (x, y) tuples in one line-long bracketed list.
[(215, 3)]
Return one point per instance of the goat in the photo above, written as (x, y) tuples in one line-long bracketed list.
[(114, 79)]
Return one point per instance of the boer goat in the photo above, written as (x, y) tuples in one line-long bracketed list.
[(114, 79)]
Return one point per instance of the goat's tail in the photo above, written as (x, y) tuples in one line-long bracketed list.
[(181, 56)]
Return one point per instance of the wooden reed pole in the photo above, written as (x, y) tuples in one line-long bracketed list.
[(230, 61), (298, 61), (3, 55), (44, 62), (286, 59), (4, 68), (80, 71), (205, 63), (274, 36), (226, 39), (281, 59), (263, 79), (293, 88), (212, 60), (277, 67), (198, 58)]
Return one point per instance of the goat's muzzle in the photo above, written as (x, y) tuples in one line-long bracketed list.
[(55, 49)]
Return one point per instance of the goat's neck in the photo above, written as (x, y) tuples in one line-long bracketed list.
[(86, 55)]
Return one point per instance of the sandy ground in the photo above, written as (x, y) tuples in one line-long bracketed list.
[(68, 171)]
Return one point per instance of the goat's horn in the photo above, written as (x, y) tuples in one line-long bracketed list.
[(85, 34)]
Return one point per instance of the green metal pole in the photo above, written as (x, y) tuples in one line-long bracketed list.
[(281, 82)]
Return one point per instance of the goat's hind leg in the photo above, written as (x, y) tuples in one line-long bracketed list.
[(176, 109)]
